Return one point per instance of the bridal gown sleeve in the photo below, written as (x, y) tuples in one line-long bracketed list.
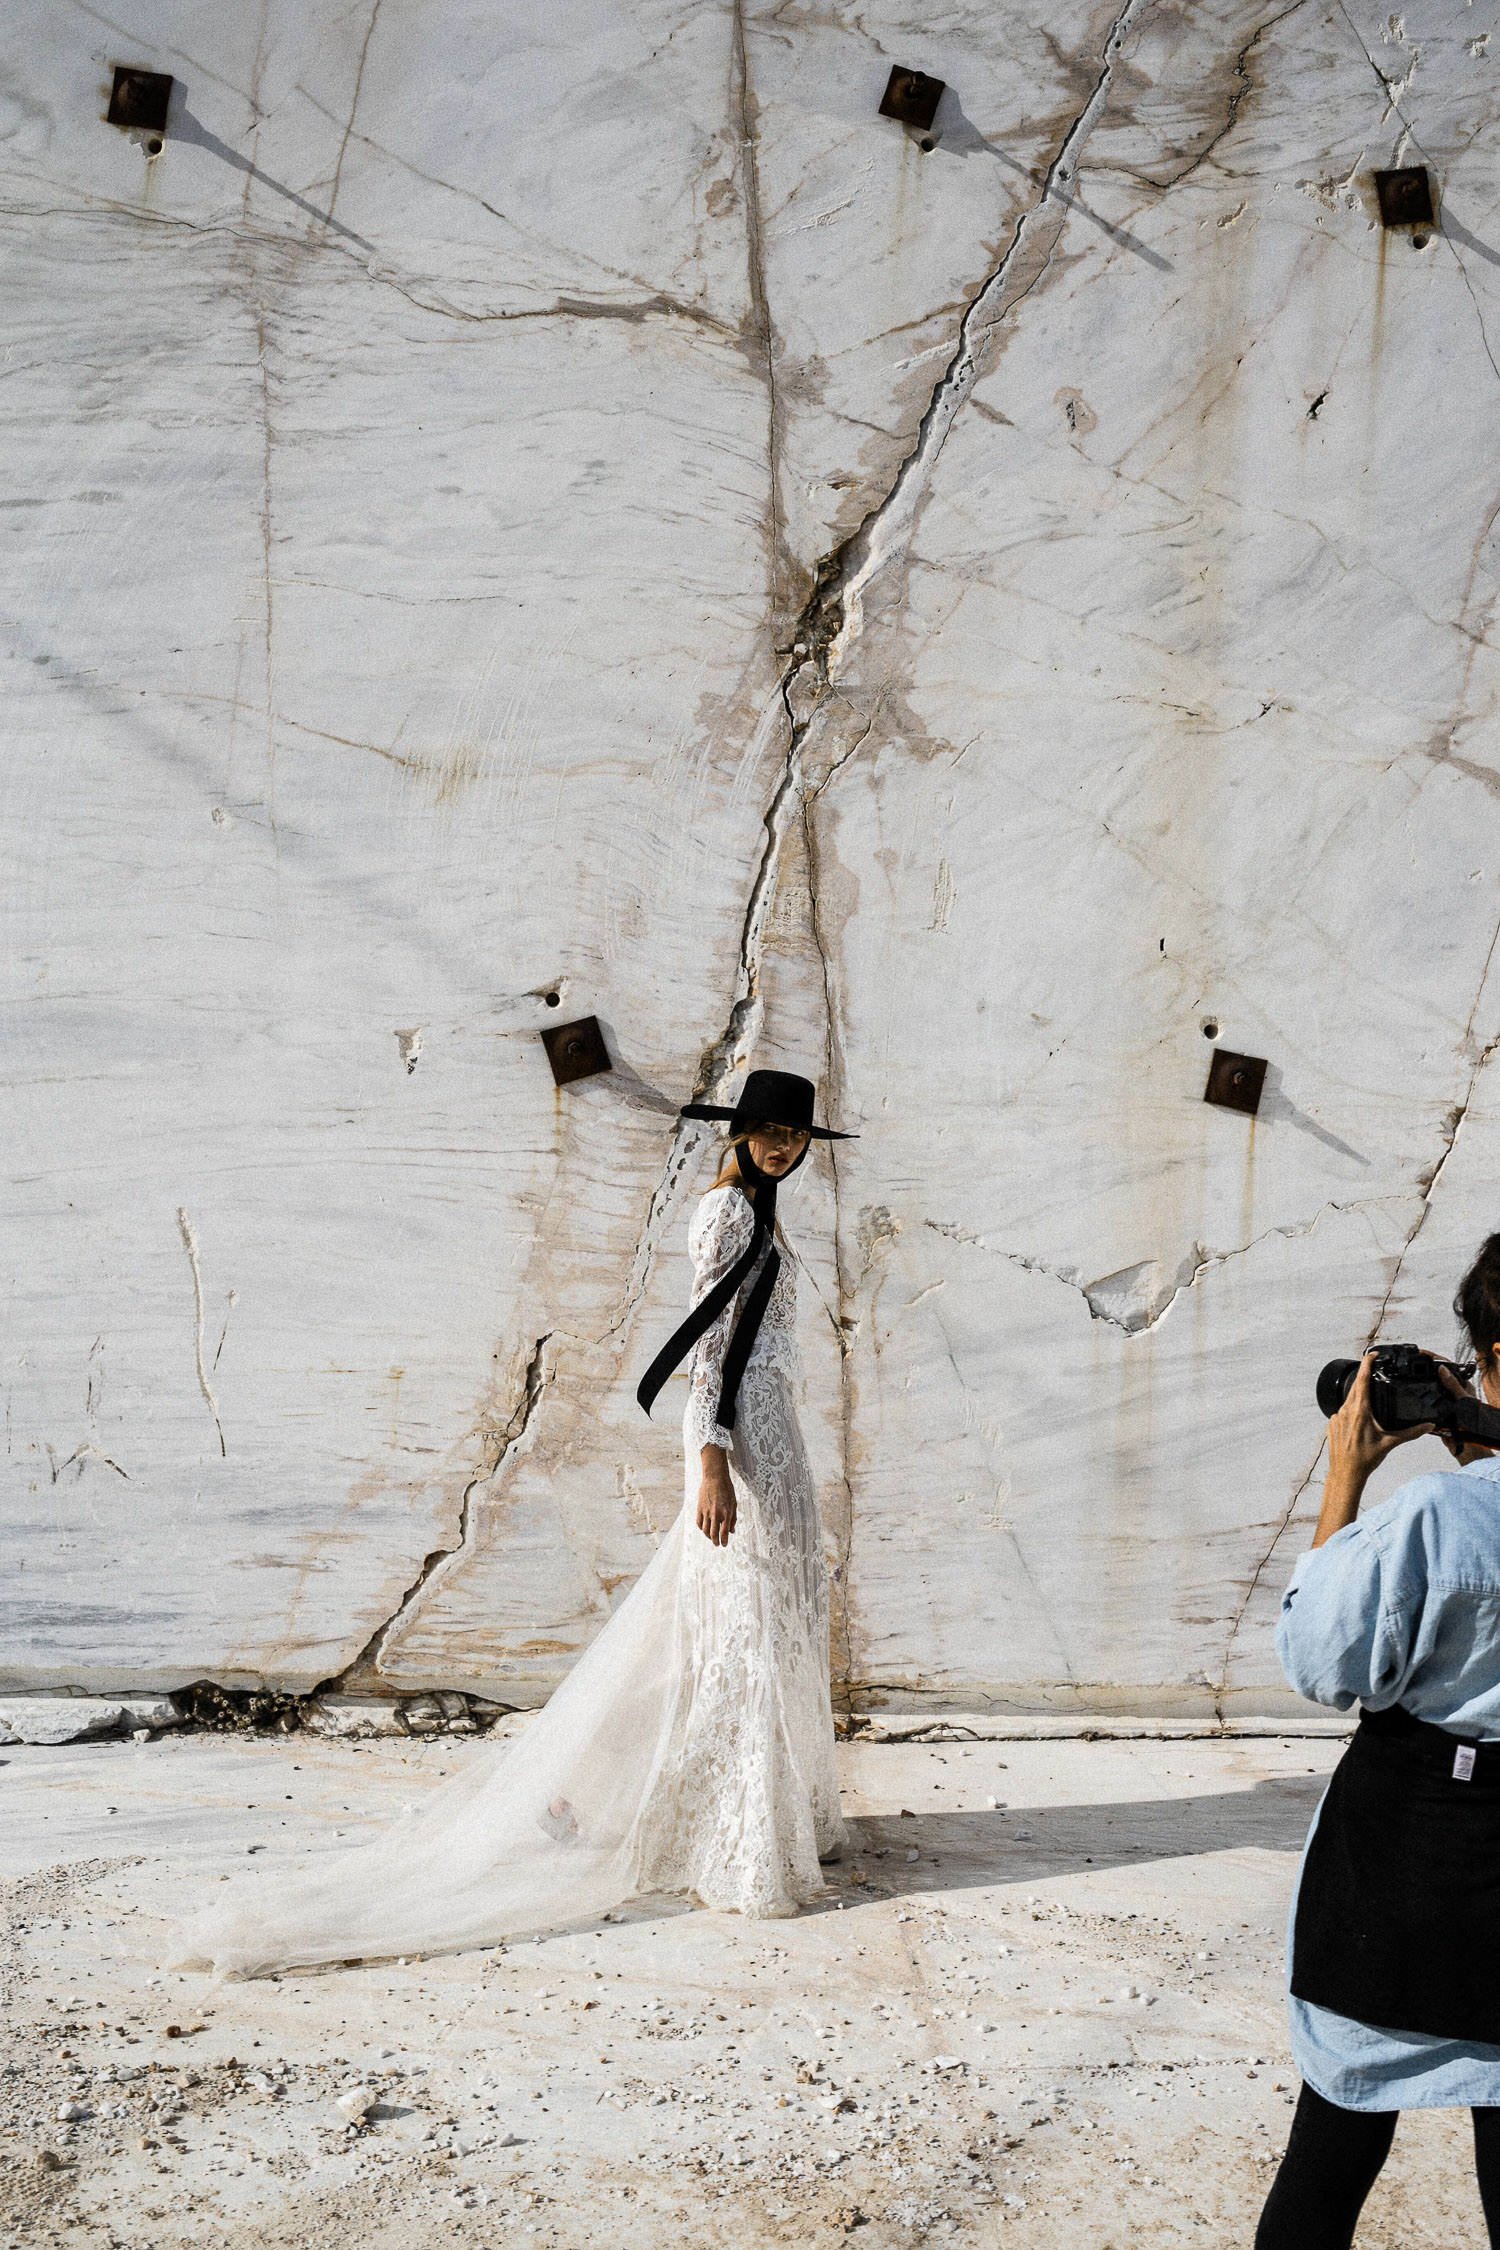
[(719, 1235)]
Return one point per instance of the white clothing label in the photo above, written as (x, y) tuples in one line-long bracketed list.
[(1463, 1762)]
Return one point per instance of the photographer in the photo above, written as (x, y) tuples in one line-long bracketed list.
[(1393, 1965)]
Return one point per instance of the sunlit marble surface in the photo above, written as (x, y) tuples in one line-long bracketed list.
[(420, 479)]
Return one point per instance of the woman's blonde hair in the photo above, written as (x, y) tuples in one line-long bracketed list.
[(728, 1174)]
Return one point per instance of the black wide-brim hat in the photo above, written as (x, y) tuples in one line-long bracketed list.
[(771, 1097)]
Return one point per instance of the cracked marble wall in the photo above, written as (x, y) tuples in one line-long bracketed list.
[(507, 507)]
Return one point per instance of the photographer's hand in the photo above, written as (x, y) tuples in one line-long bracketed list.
[(1356, 1447)]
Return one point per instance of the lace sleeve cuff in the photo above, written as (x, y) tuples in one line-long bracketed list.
[(701, 1428)]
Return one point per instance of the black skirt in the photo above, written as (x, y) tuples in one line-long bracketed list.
[(1398, 1911)]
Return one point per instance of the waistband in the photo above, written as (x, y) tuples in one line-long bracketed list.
[(1463, 1757)]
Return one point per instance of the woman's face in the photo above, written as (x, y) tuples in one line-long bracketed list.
[(776, 1148)]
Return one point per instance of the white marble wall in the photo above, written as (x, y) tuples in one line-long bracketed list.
[(435, 487)]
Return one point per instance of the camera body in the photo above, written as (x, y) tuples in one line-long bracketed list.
[(1405, 1392)]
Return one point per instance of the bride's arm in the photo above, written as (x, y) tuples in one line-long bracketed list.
[(721, 1235), (717, 1507)]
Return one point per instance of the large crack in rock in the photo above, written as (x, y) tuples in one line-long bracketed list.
[(829, 624), (363, 1672), (806, 698), (189, 1236), (832, 616), (1244, 87), (1137, 1298), (833, 613), (1427, 1183)]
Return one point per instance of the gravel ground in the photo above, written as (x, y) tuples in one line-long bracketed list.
[(1041, 2006)]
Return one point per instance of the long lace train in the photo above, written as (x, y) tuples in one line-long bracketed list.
[(689, 1750)]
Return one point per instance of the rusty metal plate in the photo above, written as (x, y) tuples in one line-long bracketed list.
[(576, 1050), (140, 99), (912, 98), (1235, 1081), (1405, 196)]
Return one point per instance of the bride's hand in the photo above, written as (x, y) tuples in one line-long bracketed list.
[(716, 1502)]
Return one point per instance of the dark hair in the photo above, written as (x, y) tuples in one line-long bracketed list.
[(1477, 1303)]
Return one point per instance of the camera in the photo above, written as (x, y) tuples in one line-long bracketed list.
[(1405, 1391)]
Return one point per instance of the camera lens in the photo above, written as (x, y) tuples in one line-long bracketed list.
[(1334, 1384)]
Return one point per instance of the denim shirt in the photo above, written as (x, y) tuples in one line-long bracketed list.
[(1403, 1605)]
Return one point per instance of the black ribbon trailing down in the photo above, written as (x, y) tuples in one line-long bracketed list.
[(761, 1190)]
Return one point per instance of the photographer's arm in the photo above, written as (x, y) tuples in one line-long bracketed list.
[(1346, 1630), (1356, 1447)]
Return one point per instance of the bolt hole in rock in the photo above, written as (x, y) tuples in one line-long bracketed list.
[(1210, 1027)]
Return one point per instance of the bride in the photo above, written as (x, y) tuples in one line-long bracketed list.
[(690, 1749)]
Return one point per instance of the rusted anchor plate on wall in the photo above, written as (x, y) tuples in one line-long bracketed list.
[(576, 1050), (912, 98), (139, 99), (1235, 1081), (1405, 196)]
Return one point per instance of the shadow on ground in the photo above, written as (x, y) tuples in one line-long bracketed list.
[(967, 1850)]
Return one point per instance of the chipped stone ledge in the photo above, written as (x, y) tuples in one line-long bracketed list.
[(1103, 1726), (364, 1669), (83, 1718), (203, 1708)]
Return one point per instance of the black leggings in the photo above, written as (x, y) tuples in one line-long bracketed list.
[(1331, 2161)]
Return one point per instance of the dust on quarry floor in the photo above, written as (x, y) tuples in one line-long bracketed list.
[(1042, 2006)]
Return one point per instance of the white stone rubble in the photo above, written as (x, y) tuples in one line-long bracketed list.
[(680, 2080)]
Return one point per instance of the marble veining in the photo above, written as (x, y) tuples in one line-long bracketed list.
[(513, 513)]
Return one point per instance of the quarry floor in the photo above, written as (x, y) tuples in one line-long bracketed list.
[(1042, 2006)]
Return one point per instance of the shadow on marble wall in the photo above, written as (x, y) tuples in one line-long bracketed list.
[(185, 131), (1275, 1102), (1454, 231), (958, 135)]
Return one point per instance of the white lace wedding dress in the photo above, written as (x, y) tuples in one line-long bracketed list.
[(689, 1750)]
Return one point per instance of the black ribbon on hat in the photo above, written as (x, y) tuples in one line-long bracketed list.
[(760, 1187)]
